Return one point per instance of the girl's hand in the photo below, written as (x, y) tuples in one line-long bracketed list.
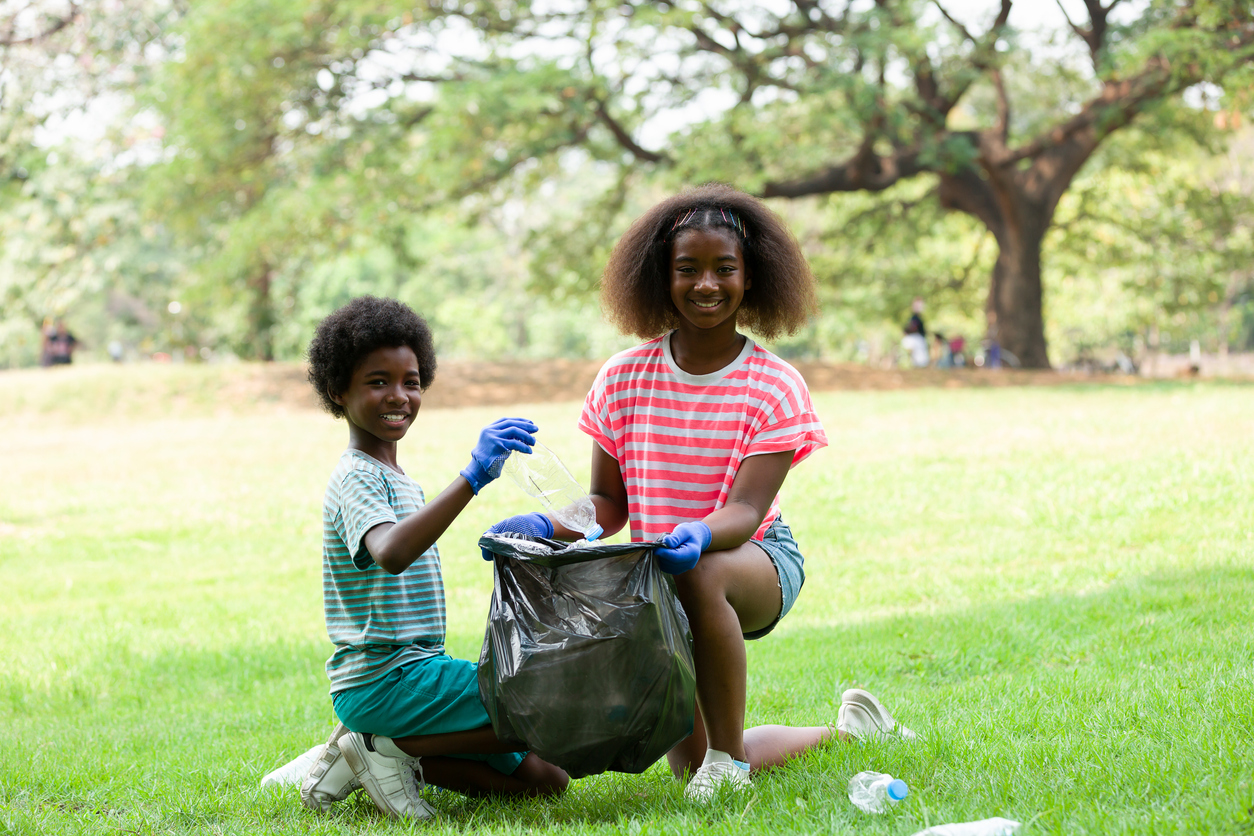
[(682, 548), (496, 442), (533, 524)]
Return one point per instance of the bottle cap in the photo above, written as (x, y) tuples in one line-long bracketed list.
[(594, 532), (897, 789)]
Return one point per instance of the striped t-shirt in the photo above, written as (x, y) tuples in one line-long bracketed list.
[(679, 438), (377, 620)]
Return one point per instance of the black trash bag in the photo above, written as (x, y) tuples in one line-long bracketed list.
[(587, 657)]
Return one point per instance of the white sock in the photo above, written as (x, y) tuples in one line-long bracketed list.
[(386, 747), (717, 756)]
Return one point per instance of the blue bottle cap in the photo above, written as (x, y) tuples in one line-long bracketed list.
[(897, 789), (594, 533)]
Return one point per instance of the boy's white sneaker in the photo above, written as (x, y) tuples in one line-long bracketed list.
[(862, 716), (294, 771), (329, 779), (388, 781), (718, 770)]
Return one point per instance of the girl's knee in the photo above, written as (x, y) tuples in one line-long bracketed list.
[(705, 580)]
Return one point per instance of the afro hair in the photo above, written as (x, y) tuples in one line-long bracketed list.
[(365, 324), (635, 288)]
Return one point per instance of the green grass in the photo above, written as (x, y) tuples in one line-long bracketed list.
[(1052, 585)]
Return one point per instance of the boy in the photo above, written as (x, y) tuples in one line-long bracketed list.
[(399, 697)]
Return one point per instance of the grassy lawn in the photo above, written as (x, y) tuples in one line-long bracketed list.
[(1053, 586)]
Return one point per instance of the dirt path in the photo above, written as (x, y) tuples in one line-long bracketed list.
[(462, 383), (164, 389), (467, 384)]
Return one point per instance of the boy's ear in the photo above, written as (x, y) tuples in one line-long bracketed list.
[(335, 396)]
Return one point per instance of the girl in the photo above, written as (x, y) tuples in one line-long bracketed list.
[(694, 432)]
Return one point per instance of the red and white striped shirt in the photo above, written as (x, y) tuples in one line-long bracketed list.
[(679, 438)]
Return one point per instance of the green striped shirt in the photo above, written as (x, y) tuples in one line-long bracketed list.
[(378, 621)]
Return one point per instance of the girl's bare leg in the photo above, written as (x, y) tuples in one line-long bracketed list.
[(765, 746), (725, 595)]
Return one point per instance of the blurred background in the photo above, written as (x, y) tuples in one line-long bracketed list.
[(1065, 185)]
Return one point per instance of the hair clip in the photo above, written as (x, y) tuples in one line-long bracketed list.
[(730, 218), (681, 220), (733, 220)]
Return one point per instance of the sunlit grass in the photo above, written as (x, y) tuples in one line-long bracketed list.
[(1052, 585)]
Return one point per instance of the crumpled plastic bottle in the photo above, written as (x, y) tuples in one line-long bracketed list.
[(873, 792), (983, 827), (542, 475)]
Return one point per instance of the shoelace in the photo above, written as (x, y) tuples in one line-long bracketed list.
[(709, 777)]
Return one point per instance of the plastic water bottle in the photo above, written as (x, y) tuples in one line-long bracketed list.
[(983, 827), (872, 792), (543, 476)]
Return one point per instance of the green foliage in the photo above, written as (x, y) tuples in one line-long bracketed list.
[(1160, 253), (482, 159)]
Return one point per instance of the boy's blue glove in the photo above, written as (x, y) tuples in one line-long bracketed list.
[(533, 524), (495, 443), (682, 548)]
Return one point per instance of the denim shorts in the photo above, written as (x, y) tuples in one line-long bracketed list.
[(782, 549), (430, 696)]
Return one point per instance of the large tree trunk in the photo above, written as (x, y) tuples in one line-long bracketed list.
[(1018, 220), (1014, 311)]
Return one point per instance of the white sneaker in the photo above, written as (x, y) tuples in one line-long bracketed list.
[(329, 779), (717, 770), (388, 781), (863, 716), (294, 771)]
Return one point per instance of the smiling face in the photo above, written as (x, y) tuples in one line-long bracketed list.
[(708, 279), (382, 401)]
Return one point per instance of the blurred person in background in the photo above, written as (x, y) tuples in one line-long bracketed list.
[(60, 345), (914, 343), (944, 355)]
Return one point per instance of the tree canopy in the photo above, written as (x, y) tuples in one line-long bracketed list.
[(271, 146)]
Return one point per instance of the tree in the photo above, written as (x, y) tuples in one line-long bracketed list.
[(832, 97), (849, 97), (294, 134)]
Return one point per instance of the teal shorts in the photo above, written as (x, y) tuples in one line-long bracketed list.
[(430, 696), (785, 555)]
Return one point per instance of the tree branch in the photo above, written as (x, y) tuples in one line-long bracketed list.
[(863, 171), (624, 138), (56, 26), (1003, 107), (965, 32)]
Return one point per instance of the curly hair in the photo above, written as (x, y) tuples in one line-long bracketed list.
[(635, 288), (365, 324)]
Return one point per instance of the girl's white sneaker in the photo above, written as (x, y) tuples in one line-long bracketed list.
[(862, 716), (718, 770)]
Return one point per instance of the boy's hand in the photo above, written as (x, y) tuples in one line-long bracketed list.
[(533, 524), (496, 441), (682, 548)]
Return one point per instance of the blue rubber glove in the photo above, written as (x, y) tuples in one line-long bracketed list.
[(682, 548), (496, 441), (533, 524)]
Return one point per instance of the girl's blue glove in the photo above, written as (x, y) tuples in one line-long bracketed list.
[(682, 548), (496, 441), (533, 524)]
